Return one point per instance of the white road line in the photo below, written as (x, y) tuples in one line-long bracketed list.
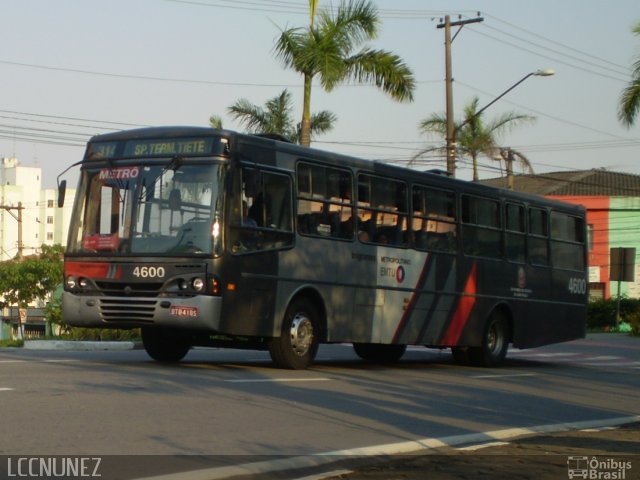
[(529, 353), (411, 446), (506, 375), (13, 361), (6, 389), (601, 358), (268, 380), (473, 448)]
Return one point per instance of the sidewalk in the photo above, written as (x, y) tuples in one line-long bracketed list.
[(609, 453), (79, 345)]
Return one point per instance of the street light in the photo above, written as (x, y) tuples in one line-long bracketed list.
[(453, 130)]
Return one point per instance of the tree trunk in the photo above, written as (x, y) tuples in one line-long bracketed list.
[(305, 127), (474, 158)]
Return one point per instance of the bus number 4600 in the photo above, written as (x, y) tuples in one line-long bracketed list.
[(577, 285), (148, 272)]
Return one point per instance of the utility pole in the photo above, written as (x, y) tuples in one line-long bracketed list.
[(18, 217), (451, 129)]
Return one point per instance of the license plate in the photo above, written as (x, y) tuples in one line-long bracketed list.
[(183, 311)]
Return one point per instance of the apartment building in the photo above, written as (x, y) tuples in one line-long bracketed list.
[(29, 214)]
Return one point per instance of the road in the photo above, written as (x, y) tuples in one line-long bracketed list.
[(234, 406)]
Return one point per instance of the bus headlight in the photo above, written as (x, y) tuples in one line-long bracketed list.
[(83, 283), (71, 282), (197, 284)]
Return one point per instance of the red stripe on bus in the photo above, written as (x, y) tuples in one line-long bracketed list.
[(461, 315), (412, 300), (90, 269)]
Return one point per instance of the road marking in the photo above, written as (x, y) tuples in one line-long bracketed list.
[(473, 448), (13, 361), (6, 389), (267, 380), (506, 375), (529, 353), (323, 475), (410, 446)]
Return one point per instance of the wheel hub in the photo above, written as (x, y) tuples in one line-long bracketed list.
[(301, 334)]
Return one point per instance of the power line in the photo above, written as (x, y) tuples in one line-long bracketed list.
[(562, 45)]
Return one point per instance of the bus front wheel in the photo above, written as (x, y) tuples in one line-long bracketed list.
[(495, 342), (297, 346), (379, 353), (165, 345)]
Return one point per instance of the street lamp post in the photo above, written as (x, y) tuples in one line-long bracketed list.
[(451, 136)]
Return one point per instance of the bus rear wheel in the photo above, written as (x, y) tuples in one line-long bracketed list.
[(297, 346), (164, 344), (495, 342), (379, 353)]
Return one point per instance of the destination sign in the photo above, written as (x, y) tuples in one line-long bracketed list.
[(155, 148), (152, 148)]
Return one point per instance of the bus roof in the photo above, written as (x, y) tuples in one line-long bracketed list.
[(435, 178)]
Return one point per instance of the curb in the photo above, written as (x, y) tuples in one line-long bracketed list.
[(411, 447), (78, 345)]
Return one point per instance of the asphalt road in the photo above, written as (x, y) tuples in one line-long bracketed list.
[(221, 408)]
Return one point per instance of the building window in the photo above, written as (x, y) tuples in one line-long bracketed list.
[(50, 220), (49, 236), (590, 237), (50, 203)]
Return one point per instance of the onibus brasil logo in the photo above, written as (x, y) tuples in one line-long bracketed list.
[(597, 468)]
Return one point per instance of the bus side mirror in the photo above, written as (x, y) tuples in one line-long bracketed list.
[(62, 189)]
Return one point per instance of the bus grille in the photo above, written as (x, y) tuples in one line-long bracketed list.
[(114, 310), (119, 289)]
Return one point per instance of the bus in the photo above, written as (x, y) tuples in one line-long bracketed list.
[(207, 237)]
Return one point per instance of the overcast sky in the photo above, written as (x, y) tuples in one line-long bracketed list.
[(70, 69)]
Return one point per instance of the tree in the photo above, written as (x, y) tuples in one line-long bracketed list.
[(475, 137), (23, 280), (630, 97), (327, 49), (275, 118)]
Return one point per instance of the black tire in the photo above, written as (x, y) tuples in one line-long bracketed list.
[(297, 346), (164, 344), (379, 353), (495, 343), (461, 355)]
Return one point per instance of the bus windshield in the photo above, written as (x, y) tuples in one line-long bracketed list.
[(169, 208)]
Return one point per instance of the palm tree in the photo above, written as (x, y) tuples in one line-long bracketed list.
[(473, 136), (326, 49), (630, 97), (274, 118)]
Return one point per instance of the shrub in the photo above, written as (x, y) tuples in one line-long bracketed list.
[(601, 314), (100, 334)]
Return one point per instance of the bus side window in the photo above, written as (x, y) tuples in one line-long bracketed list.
[(382, 211), (324, 198), (434, 219), (567, 241), (481, 227), (265, 212), (515, 233), (538, 248)]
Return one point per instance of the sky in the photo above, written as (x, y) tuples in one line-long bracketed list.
[(70, 69)]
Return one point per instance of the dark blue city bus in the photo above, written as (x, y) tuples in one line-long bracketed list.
[(206, 237)]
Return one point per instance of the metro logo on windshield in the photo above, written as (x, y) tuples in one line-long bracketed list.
[(121, 173)]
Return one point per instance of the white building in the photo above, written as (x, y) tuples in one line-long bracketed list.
[(29, 211)]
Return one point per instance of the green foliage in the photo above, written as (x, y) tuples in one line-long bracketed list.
[(100, 334), (601, 314), (629, 103), (476, 136), (331, 49), (275, 118), (23, 280), (11, 343)]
